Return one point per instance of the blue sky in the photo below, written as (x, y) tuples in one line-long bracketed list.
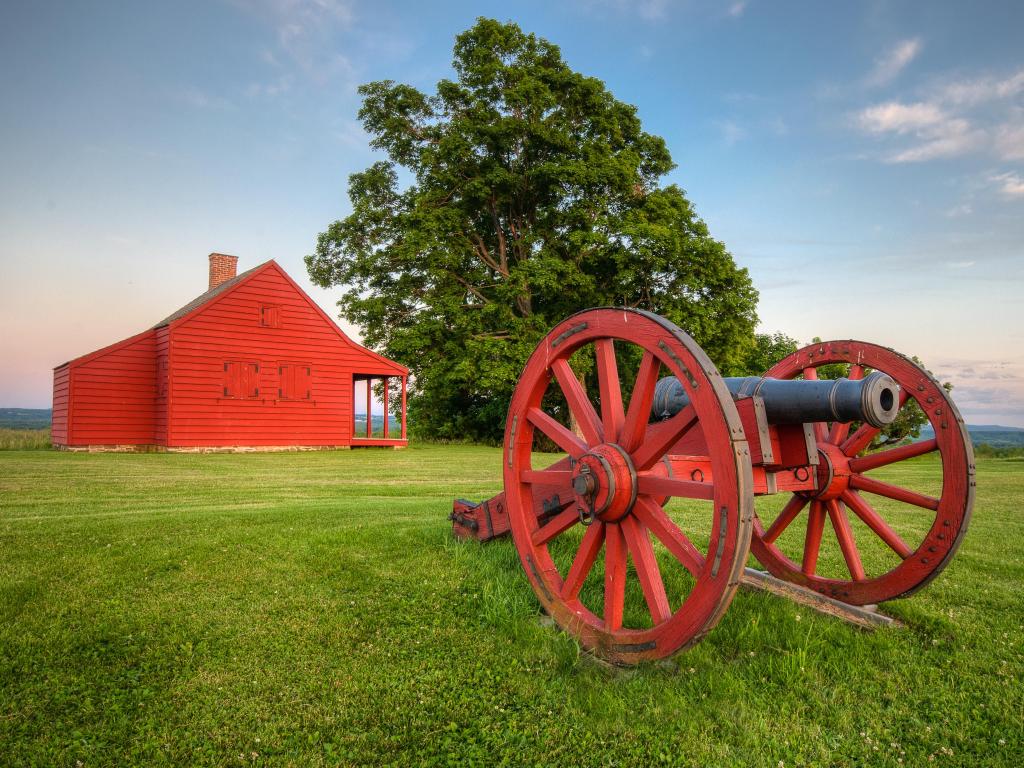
[(864, 161)]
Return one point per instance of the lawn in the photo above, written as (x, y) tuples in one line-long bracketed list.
[(312, 609)]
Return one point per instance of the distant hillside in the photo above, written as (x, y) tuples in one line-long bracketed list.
[(993, 428), (394, 425), (25, 418), (989, 434)]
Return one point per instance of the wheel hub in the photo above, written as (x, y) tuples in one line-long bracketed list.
[(833, 472), (604, 482)]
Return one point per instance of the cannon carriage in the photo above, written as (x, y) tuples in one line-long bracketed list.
[(636, 540)]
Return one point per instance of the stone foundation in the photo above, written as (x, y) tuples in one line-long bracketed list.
[(202, 449)]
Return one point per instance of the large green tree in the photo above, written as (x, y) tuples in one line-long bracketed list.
[(518, 193)]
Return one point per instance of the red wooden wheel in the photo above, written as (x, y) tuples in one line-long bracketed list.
[(917, 532), (604, 501)]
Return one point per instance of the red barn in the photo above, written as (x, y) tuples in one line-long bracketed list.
[(253, 362)]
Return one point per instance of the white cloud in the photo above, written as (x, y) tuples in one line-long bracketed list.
[(964, 209), (652, 9), (1010, 184), (893, 62), (736, 9), (306, 32), (1010, 141), (980, 90), (270, 89), (938, 134), (900, 118), (960, 264), (731, 132), (986, 391), (778, 126), (947, 139), (953, 119)]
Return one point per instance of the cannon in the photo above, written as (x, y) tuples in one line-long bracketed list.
[(636, 540)]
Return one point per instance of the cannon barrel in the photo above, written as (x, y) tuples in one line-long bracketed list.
[(873, 399)]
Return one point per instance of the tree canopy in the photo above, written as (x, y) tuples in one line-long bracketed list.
[(518, 193)]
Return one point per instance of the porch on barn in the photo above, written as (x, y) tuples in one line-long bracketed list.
[(370, 390)]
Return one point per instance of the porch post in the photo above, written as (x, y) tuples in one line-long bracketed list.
[(369, 414), (403, 407), (385, 380)]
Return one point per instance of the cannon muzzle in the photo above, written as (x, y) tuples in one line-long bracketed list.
[(873, 399)]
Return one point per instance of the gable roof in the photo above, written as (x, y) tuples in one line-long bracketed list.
[(223, 289), (211, 294), (210, 297), (336, 328), (104, 350)]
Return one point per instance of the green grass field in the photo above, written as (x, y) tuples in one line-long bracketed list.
[(312, 609), (24, 439)]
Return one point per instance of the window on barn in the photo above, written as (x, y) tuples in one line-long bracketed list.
[(296, 381), (241, 380), (270, 316)]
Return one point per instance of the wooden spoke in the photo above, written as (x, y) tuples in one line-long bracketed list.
[(859, 440), (661, 437), (659, 485), (812, 542), (593, 538), (856, 372), (837, 432), (872, 520), (787, 516), (556, 526), (562, 436), (612, 413), (877, 487), (546, 476), (666, 531), (841, 525), (639, 546), (578, 401), (891, 456), (614, 576), (639, 412)]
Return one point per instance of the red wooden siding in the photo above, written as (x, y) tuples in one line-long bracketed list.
[(113, 395), (231, 330), (61, 397)]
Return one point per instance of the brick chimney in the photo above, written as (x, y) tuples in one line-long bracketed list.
[(222, 268)]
